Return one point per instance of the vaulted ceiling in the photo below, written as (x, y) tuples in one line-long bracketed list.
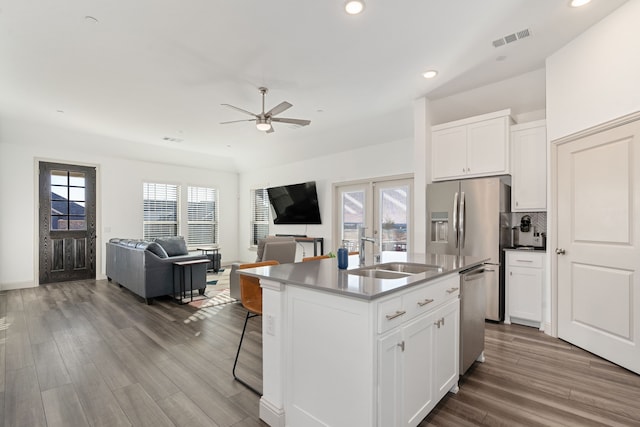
[(155, 72)]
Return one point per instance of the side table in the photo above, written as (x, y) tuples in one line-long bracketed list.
[(183, 265), (213, 253)]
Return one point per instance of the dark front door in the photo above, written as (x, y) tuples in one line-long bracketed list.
[(67, 222)]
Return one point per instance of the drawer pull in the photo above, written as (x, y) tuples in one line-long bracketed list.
[(524, 260), (425, 302), (396, 314), (452, 290)]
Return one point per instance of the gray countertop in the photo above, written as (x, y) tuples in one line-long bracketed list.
[(324, 275)]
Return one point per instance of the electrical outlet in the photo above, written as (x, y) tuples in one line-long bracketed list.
[(271, 324)]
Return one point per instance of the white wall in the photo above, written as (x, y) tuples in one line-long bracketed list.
[(596, 77), (392, 158), (119, 193)]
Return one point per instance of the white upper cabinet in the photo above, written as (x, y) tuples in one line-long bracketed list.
[(476, 146), (529, 167)]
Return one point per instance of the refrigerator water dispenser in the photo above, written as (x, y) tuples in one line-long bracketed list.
[(439, 226)]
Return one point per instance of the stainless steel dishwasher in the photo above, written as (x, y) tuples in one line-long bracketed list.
[(472, 314)]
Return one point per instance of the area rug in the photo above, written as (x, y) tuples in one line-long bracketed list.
[(219, 298)]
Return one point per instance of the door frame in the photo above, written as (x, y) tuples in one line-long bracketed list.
[(36, 216), (552, 243)]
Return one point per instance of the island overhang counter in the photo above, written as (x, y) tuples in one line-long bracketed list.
[(342, 349)]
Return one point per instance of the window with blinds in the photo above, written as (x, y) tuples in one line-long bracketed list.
[(161, 212), (259, 215), (202, 213)]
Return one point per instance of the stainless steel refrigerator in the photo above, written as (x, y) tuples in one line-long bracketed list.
[(471, 217)]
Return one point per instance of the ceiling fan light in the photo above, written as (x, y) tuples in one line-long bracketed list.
[(354, 7), (263, 126)]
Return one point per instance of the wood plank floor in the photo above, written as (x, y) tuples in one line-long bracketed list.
[(91, 354)]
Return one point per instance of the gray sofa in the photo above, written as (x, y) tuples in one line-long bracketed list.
[(271, 248), (146, 268)]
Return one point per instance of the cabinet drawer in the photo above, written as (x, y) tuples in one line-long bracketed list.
[(409, 304), (391, 313), (427, 298), (525, 259)]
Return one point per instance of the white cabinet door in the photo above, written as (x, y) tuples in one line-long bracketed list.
[(449, 152), (476, 146), (487, 147), (529, 167), (524, 279), (389, 376), (525, 293), (446, 348), (419, 338)]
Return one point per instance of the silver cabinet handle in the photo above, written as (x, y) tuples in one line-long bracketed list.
[(452, 290), (439, 323), (425, 302), (524, 260), (560, 251), (398, 313), (401, 345)]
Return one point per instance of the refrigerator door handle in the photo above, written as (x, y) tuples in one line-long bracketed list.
[(455, 216), (463, 213)]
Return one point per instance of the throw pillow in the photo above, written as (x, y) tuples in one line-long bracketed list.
[(173, 246)]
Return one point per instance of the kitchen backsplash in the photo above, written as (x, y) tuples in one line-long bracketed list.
[(538, 220)]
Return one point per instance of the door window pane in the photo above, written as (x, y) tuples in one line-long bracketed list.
[(394, 218), (353, 216), (67, 200)]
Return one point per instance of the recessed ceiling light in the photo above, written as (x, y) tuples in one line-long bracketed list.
[(91, 19), (578, 3), (354, 7), (429, 74)]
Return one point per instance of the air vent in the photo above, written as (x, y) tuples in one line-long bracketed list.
[(510, 38)]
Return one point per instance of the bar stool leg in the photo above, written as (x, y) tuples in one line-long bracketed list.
[(241, 381)]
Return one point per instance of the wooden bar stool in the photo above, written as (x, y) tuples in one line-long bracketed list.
[(251, 299)]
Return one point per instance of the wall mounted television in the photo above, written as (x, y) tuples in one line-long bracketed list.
[(295, 204)]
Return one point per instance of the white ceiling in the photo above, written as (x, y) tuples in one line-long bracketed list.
[(149, 69)]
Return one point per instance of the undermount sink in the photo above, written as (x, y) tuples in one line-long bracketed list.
[(393, 270)]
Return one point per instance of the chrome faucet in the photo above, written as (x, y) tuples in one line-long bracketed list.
[(363, 239)]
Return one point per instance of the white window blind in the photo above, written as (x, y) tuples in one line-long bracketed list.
[(259, 215), (160, 216), (202, 213)]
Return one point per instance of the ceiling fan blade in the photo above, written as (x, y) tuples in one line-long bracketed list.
[(240, 109), (238, 121), (298, 122), (283, 106), (271, 130)]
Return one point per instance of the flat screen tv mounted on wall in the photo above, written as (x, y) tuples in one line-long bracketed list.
[(295, 204)]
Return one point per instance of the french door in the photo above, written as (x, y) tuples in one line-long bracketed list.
[(381, 205), (67, 219)]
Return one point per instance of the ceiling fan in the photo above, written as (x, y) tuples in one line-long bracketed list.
[(264, 120)]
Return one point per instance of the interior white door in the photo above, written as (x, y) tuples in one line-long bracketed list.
[(598, 262)]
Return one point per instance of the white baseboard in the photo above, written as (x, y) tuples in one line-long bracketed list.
[(17, 285), (270, 414)]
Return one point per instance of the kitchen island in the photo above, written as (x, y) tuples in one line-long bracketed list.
[(343, 348)]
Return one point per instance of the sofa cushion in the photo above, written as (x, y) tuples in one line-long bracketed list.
[(173, 245), (154, 248)]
